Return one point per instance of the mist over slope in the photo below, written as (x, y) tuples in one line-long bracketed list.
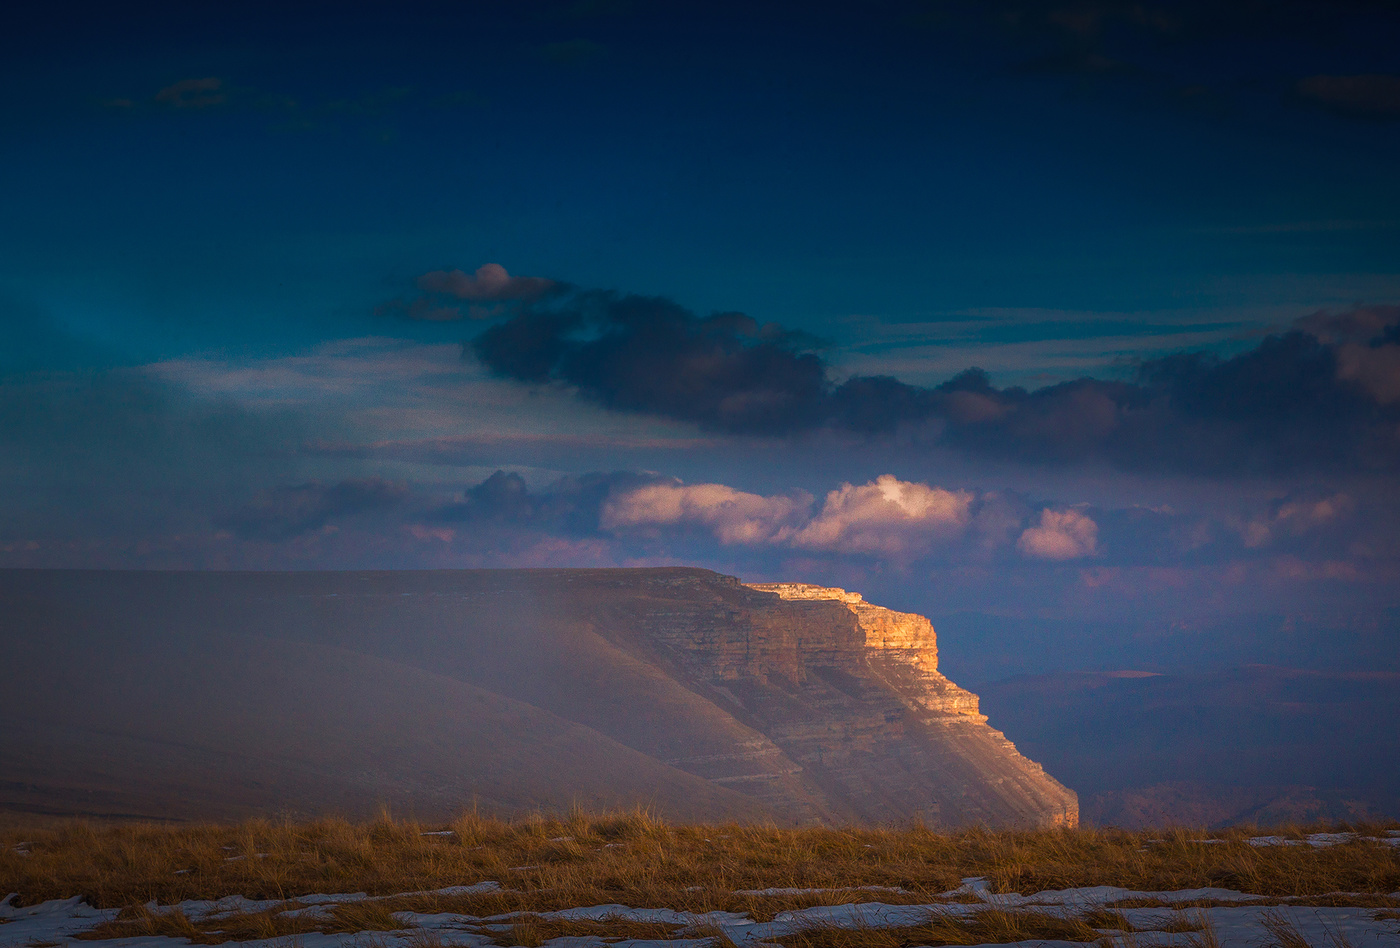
[(226, 694)]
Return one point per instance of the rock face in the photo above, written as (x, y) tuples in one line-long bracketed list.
[(226, 694), (899, 642), (853, 710)]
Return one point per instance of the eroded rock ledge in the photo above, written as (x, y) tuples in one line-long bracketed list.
[(899, 638)]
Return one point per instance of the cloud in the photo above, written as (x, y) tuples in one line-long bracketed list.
[(1371, 96), (490, 282), (1375, 368), (1368, 325), (285, 512), (734, 516), (635, 353), (1062, 535), (1295, 516), (194, 93), (573, 504), (1297, 400), (887, 516), (442, 290)]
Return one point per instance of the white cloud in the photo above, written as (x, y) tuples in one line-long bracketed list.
[(1062, 535), (733, 515), (887, 516)]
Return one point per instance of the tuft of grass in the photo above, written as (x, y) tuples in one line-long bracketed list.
[(1108, 919), (1207, 937), (531, 931), (140, 921), (364, 916), (1282, 931), (1181, 922)]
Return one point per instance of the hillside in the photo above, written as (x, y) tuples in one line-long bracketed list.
[(233, 694)]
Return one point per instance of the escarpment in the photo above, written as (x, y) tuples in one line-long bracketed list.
[(203, 695)]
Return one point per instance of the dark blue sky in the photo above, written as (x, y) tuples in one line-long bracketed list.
[(222, 230)]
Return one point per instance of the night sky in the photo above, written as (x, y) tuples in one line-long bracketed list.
[(1074, 326)]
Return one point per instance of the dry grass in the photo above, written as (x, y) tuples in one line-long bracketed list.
[(140, 921), (547, 863), (1282, 931)]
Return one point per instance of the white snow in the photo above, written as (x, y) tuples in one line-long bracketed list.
[(1321, 840), (1237, 919)]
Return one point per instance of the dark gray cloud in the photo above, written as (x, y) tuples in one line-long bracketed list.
[(1300, 399), (285, 512), (634, 353), (570, 505)]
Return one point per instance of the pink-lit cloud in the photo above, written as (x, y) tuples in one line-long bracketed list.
[(734, 516), (1061, 535), (490, 283), (886, 516)]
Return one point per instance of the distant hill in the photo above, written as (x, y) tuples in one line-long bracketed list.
[(1253, 743), (220, 695)]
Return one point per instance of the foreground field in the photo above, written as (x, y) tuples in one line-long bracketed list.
[(398, 884)]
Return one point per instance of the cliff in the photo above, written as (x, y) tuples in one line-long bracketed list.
[(224, 694)]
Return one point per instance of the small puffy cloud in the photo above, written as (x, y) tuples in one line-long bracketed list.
[(1061, 535), (1301, 516), (1296, 516), (194, 93), (490, 291), (1375, 368), (490, 283), (887, 516), (734, 516), (1367, 340), (1375, 96)]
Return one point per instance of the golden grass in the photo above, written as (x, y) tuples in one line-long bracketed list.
[(1282, 931), (547, 863)]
